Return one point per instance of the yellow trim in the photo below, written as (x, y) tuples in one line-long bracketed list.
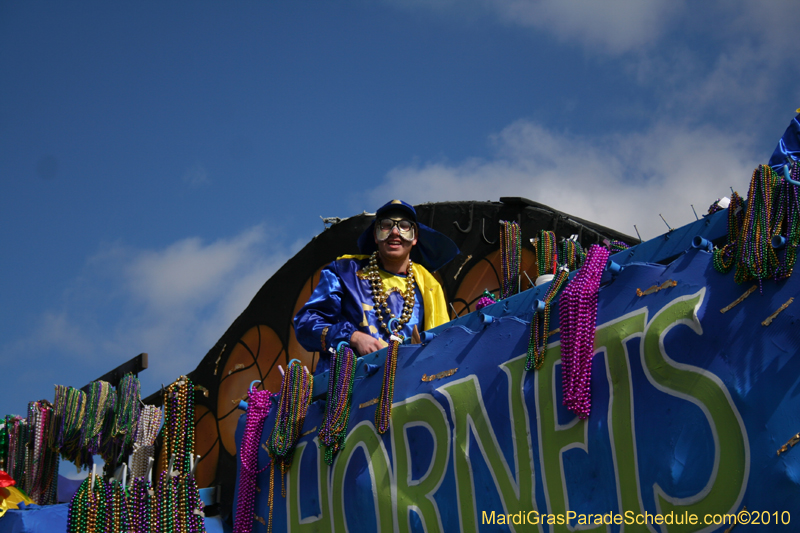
[(432, 298)]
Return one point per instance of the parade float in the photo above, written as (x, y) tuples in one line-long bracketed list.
[(651, 387), (587, 381)]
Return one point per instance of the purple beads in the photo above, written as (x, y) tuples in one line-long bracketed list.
[(578, 320)]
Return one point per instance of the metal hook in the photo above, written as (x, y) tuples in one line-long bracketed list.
[(787, 175), (469, 226), (483, 232)]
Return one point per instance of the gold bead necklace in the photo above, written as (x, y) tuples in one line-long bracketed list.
[(381, 299)]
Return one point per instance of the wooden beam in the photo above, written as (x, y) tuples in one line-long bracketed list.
[(133, 366)]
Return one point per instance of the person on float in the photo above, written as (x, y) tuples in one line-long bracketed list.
[(363, 299)]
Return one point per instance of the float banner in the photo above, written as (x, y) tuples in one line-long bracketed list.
[(695, 387)]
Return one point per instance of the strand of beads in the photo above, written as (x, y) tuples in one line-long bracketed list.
[(42, 460), (128, 413), (571, 254), (540, 324), (381, 299), (617, 246), (17, 436), (725, 257), (293, 405), (578, 321), (178, 425), (118, 508), (59, 408), (713, 208), (101, 400), (337, 410), (89, 508), (757, 258), (139, 503), (165, 516), (32, 473), (3, 444), (71, 413), (787, 221), (546, 253), (510, 256), (143, 446), (78, 513), (258, 407), (191, 518), (486, 299), (177, 505), (383, 414)]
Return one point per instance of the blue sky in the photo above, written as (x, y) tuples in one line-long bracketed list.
[(159, 162)]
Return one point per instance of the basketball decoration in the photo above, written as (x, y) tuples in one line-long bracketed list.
[(487, 275), (254, 357), (206, 445)]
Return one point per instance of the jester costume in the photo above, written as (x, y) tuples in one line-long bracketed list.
[(343, 302)]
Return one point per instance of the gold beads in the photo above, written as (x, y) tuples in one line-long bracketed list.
[(381, 300)]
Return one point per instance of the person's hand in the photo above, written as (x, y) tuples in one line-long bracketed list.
[(363, 344)]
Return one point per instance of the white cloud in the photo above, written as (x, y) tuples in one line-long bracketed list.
[(173, 303), (188, 272), (613, 25), (722, 58), (617, 180), (610, 26)]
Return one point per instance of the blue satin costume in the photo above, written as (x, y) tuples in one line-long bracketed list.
[(788, 149), (342, 303)]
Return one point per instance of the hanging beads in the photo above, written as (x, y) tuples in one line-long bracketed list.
[(571, 254), (89, 508), (292, 408), (725, 257), (510, 257), (578, 320), (3, 444), (757, 258), (337, 410), (540, 324), (70, 411), (787, 224), (41, 461), (139, 505), (101, 402), (178, 425), (546, 253), (118, 508), (146, 433), (383, 413), (128, 413), (259, 404)]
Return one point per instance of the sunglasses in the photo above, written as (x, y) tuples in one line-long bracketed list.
[(385, 226)]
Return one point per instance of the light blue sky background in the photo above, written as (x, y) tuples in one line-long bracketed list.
[(160, 160)]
